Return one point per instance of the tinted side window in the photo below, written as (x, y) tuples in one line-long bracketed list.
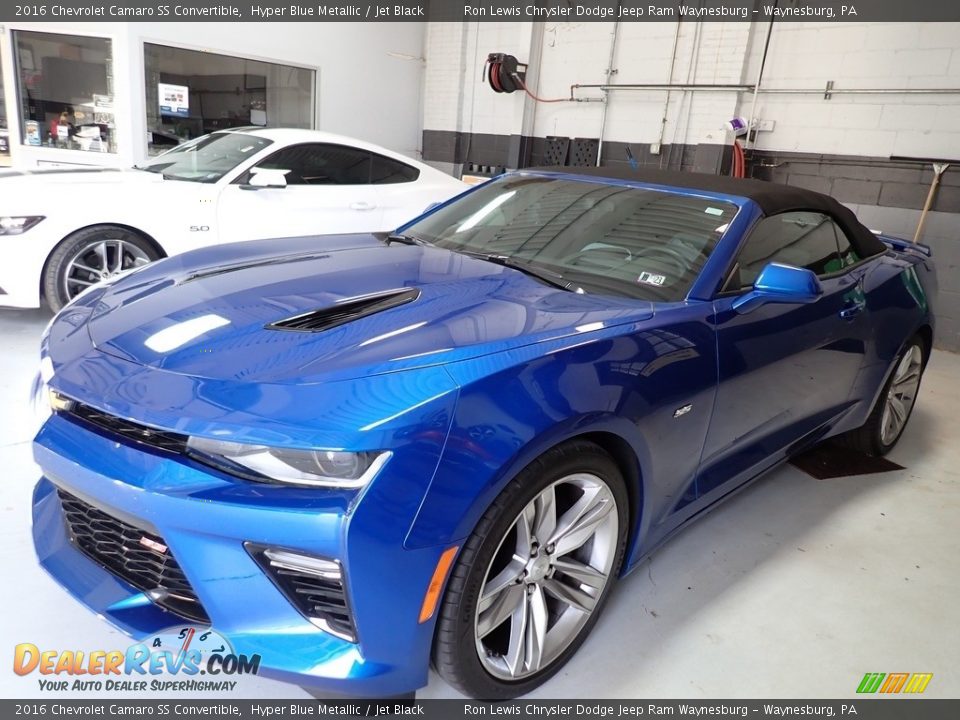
[(321, 164), (386, 171), (847, 253), (801, 239)]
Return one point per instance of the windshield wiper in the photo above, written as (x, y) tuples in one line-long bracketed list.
[(548, 276), (405, 240)]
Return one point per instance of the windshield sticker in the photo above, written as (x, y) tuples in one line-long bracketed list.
[(713, 211), (652, 278)]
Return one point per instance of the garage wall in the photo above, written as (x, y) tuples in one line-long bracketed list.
[(840, 145)]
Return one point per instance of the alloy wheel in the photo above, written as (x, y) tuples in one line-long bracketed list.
[(100, 260), (547, 576), (901, 395)]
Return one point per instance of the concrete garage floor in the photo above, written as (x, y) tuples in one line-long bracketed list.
[(794, 589)]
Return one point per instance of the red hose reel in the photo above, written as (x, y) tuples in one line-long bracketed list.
[(504, 73)]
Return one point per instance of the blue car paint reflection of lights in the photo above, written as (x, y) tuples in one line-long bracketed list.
[(315, 430)]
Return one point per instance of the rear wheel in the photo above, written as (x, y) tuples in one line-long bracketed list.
[(90, 256), (892, 410), (532, 579)]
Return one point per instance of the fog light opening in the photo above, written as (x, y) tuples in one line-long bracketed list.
[(315, 586)]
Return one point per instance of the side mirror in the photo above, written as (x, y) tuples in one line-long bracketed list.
[(780, 284), (261, 178)]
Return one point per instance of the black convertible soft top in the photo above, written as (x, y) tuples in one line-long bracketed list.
[(773, 198)]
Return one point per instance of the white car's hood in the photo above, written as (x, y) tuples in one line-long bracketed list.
[(33, 180), (63, 192)]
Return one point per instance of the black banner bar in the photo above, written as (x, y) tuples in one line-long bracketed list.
[(873, 708), (480, 10)]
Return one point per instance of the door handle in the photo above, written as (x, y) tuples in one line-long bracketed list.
[(851, 311), (362, 205)]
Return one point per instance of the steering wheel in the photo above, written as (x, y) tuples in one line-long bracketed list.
[(599, 255), (672, 256)]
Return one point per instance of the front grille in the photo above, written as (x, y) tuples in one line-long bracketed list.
[(134, 555), (314, 586), (140, 434)]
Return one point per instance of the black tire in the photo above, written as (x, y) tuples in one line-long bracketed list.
[(455, 652), (868, 438), (54, 276)]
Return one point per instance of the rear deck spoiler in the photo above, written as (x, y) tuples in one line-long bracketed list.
[(901, 245)]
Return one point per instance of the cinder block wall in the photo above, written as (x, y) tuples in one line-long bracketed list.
[(842, 145)]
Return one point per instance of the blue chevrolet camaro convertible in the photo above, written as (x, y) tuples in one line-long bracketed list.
[(359, 455)]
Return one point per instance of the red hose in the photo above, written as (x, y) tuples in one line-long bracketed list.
[(495, 77), (739, 169), (538, 99)]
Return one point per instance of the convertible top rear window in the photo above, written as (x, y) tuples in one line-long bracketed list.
[(607, 239)]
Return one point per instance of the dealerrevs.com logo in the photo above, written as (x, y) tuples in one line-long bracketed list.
[(171, 660)]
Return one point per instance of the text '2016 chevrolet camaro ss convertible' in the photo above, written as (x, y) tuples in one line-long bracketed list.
[(360, 455)]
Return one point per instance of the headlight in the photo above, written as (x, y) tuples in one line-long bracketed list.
[(324, 468), (17, 224)]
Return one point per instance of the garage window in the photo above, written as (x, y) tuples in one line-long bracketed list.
[(191, 93), (4, 135), (65, 90)]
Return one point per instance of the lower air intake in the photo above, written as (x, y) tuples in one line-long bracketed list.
[(139, 557)]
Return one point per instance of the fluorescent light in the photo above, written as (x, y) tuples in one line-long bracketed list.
[(590, 327), (480, 214), (392, 333), (172, 337)]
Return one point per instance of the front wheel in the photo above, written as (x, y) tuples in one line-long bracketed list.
[(533, 577), (890, 414), (90, 256)]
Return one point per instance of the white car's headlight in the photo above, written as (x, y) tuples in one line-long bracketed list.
[(323, 468), (18, 224)]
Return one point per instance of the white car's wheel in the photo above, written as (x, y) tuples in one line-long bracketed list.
[(90, 256)]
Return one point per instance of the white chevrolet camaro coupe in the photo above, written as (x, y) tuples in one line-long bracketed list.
[(64, 230)]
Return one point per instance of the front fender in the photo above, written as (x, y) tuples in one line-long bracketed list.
[(514, 407)]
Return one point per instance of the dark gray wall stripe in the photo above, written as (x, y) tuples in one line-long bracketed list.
[(849, 178)]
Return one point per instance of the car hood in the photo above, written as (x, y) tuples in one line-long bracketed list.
[(30, 180), (219, 319)]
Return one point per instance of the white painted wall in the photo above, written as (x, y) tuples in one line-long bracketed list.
[(863, 55), (456, 96), (802, 55), (369, 79)]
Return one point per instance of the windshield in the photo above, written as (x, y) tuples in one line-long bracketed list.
[(208, 158), (606, 239)]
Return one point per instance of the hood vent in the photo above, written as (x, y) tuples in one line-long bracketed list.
[(235, 267), (346, 311)]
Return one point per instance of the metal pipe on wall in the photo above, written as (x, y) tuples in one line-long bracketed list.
[(731, 87), (751, 121), (610, 73), (666, 102)]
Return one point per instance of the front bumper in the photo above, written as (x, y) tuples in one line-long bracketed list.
[(205, 521), (21, 273)]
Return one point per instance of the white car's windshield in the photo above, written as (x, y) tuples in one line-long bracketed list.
[(208, 158)]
